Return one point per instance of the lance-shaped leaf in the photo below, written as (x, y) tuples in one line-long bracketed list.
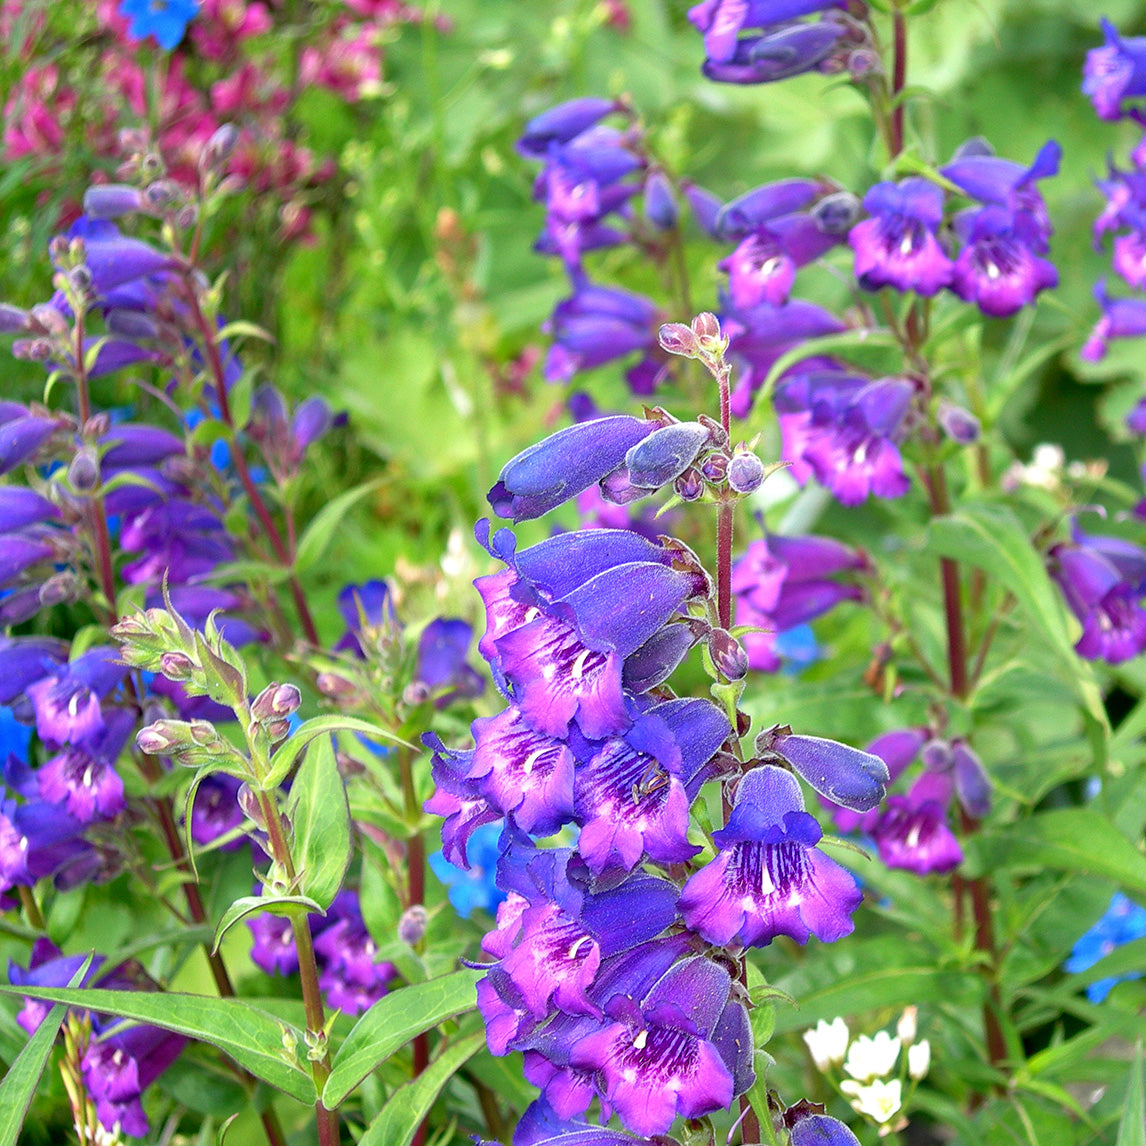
[(392, 1022), (251, 1037), (321, 818), (19, 1084), (399, 1119), (274, 904), (290, 750)]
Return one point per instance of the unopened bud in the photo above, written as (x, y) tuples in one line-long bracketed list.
[(250, 807), (176, 666), (863, 62), (59, 589), (13, 319), (132, 324), (47, 320), (936, 756), (906, 1027), (412, 925), (415, 693), (835, 214), (706, 326), (32, 349), (83, 470), (159, 738), (219, 147), (96, 426), (203, 732), (676, 338), (276, 701), (111, 200), (335, 687), (919, 1059), (276, 730), (689, 486), (160, 194), (187, 217), (727, 654), (715, 468), (959, 425), (745, 472)]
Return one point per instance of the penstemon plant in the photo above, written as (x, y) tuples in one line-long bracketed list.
[(807, 804)]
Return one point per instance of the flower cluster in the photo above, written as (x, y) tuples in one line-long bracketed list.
[(602, 977), (868, 1062), (911, 830)]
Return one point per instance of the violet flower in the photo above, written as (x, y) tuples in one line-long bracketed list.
[(1121, 318), (768, 878), (1115, 72), (1107, 605), (777, 53), (120, 1066), (912, 832), (898, 246)]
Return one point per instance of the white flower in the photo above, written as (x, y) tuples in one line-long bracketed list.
[(828, 1043), (872, 1058), (918, 1059), (906, 1026), (878, 1100)]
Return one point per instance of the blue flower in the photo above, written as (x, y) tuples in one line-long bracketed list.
[(166, 20), (473, 888), (1123, 922)]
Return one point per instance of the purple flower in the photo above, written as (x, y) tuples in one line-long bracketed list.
[(897, 246), (769, 878), (363, 607), (912, 831), (120, 1066), (564, 464), (82, 777), (216, 811), (599, 324), (845, 775), (633, 791), (1121, 318), (21, 434), (721, 21), (998, 269), (350, 978), (763, 267), (67, 704), (1115, 72), (273, 949), (1108, 606), (561, 124), (442, 667), (675, 1053)]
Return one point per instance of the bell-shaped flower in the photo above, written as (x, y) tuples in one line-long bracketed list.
[(684, 1050), (769, 878), (1108, 606), (912, 831), (120, 1066), (897, 246), (998, 269), (21, 434), (82, 777), (1121, 318), (67, 703), (897, 749), (1115, 72), (632, 793)]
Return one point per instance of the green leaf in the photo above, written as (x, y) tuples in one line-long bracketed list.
[(1132, 1128), (321, 818), (1068, 839), (992, 538), (317, 535), (399, 1119), (392, 1022), (240, 328), (251, 1037), (290, 750), (19, 1085), (272, 904)]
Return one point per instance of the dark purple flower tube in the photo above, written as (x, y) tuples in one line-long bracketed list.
[(21, 435), (562, 123), (560, 467), (665, 454), (110, 200), (721, 21)]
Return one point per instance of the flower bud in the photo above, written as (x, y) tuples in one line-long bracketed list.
[(412, 925), (47, 320), (958, 424), (249, 805), (919, 1059), (176, 666), (972, 785), (746, 472), (133, 325), (863, 62), (906, 1027), (835, 214), (159, 738), (83, 470), (936, 756), (715, 468), (111, 200), (59, 589), (218, 149), (676, 338), (665, 454), (660, 207), (187, 217), (203, 733), (727, 654), (276, 700), (335, 687), (689, 486), (706, 326), (13, 319)]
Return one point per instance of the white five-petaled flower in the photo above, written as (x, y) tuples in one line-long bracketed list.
[(918, 1059), (879, 1100), (870, 1058), (828, 1043)]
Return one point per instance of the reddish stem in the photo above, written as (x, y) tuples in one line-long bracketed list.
[(898, 81)]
